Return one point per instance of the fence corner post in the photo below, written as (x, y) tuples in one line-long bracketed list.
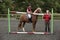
[(8, 20), (52, 21)]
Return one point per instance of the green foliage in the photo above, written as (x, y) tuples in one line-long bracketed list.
[(21, 5)]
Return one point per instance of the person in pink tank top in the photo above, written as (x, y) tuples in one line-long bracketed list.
[(29, 12)]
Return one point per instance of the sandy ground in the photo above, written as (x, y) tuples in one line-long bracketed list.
[(4, 35)]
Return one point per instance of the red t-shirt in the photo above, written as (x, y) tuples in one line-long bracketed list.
[(47, 17), (29, 10)]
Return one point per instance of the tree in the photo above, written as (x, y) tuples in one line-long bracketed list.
[(21, 5)]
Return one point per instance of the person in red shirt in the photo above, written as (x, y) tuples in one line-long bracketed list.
[(47, 18)]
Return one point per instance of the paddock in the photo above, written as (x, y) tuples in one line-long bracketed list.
[(4, 35)]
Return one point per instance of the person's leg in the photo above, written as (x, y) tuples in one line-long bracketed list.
[(48, 26), (45, 26)]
